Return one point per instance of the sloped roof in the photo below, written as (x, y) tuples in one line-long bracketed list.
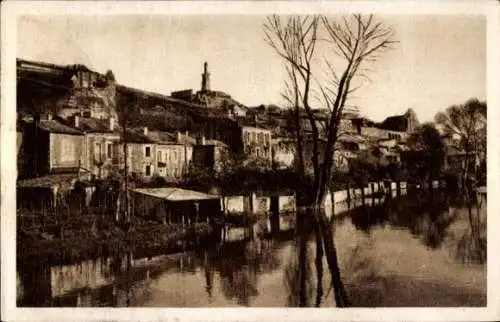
[(175, 194), (395, 123), (161, 137), (49, 181), (136, 137), (171, 138), (56, 126), (186, 139), (453, 150), (215, 143), (356, 138), (93, 125)]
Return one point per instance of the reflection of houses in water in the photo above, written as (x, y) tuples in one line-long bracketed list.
[(116, 281), (88, 274)]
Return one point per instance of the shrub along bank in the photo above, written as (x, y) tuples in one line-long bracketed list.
[(91, 236)]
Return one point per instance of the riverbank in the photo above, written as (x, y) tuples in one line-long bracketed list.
[(91, 236)]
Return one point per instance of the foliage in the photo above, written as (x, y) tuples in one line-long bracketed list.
[(467, 122), (428, 152), (369, 166), (74, 242)]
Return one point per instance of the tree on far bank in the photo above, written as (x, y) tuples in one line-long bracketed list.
[(467, 122), (351, 42), (426, 158)]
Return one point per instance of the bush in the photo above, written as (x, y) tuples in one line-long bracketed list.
[(452, 179)]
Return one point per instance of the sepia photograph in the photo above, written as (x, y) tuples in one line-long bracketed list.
[(269, 159)]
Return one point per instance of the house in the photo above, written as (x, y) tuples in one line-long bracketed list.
[(102, 139), (141, 153), (50, 146), (456, 159), (283, 152), (257, 142), (173, 154), (406, 122), (346, 148), (209, 154)]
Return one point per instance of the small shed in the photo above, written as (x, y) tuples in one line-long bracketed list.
[(176, 205), (42, 192)]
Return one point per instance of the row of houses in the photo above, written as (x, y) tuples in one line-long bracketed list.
[(95, 148)]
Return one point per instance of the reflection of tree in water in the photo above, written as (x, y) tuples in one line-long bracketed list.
[(471, 244), (239, 265), (307, 286), (424, 216), (435, 224), (366, 217), (298, 283), (431, 217)]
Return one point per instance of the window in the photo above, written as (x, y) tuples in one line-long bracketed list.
[(159, 156), (97, 152), (110, 152), (147, 152), (148, 170)]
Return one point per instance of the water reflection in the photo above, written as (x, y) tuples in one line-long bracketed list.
[(409, 251)]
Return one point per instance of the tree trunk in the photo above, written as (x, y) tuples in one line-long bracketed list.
[(319, 265), (275, 215), (303, 223)]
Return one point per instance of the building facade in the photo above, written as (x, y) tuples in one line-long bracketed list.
[(49, 146), (141, 154), (210, 155), (257, 142), (174, 154)]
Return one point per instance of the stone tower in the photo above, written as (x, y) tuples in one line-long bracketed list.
[(205, 78)]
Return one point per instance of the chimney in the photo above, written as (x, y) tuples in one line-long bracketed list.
[(186, 133), (145, 130), (179, 136), (201, 140), (49, 116), (111, 124), (76, 120)]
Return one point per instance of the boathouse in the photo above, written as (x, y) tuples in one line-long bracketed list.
[(176, 205)]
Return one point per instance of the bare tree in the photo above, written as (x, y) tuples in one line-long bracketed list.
[(355, 40)]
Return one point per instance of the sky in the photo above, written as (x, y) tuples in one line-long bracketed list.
[(438, 61)]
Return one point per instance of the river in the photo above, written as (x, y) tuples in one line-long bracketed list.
[(407, 251)]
